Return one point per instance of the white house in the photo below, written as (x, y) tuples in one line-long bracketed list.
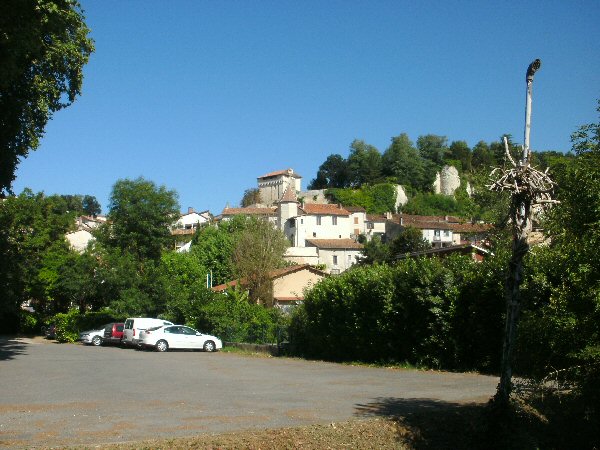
[(183, 230)]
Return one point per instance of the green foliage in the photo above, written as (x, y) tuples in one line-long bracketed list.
[(364, 164), (45, 45), (71, 323), (213, 246), (414, 311), (408, 240), (32, 227), (376, 199), (432, 205), (258, 250), (251, 197), (333, 173), (234, 319), (140, 214), (29, 322)]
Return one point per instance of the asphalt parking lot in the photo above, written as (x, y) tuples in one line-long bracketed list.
[(68, 394)]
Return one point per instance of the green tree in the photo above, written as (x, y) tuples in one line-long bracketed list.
[(258, 250), (409, 240), (44, 46), (433, 148), (374, 252), (251, 197), (139, 217), (364, 163), (90, 205), (482, 156), (460, 151), (333, 173), (402, 162), (31, 226)]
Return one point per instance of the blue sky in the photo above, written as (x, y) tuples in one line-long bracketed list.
[(205, 96)]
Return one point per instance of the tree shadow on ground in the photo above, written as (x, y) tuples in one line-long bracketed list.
[(428, 423), (11, 347)]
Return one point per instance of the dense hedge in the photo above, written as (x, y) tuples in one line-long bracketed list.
[(434, 312), (70, 324)]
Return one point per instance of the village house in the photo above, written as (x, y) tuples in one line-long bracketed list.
[(185, 227), (289, 284)]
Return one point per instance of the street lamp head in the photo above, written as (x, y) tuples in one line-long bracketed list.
[(533, 67)]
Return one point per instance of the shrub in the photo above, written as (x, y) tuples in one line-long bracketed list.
[(234, 319)]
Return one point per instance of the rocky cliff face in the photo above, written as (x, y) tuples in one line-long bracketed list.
[(401, 197), (447, 181)]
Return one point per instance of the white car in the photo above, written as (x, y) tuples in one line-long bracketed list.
[(93, 337), (178, 336)]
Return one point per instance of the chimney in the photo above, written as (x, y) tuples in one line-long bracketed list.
[(190, 210)]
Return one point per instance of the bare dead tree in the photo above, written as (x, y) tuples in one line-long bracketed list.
[(531, 190)]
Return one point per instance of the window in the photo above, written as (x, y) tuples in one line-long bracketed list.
[(370, 225), (334, 220), (446, 233), (318, 220), (314, 234), (335, 260), (356, 221)]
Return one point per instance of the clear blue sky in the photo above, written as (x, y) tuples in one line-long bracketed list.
[(204, 96)]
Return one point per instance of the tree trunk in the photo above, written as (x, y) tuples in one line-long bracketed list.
[(521, 217)]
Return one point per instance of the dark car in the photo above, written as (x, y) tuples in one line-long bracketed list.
[(49, 331), (113, 333)]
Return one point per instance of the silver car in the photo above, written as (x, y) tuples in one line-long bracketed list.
[(93, 337)]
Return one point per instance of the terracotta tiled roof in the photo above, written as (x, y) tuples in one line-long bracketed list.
[(471, 227), (376, 218), (277, 273), (289, 172), (249, 211), (289, 195), (354, 209), (429, 225), (335, 243), (324, 209)]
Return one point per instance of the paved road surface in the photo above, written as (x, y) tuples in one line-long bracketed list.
[(66, 394)]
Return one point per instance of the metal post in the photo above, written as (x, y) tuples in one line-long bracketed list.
[(533, 67)]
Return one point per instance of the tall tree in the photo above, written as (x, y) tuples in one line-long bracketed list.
[(139, 217), (31, 227), (258, 251), (482, 155), (333, 173), (364, 163), (402, 162), (433, 148), (460, 151), (90, 205), (43, 47)]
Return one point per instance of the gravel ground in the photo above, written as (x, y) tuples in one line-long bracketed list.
[(64, 394)]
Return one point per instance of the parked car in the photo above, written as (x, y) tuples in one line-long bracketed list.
[(93, 337), (50, 331), (113, 333), (178, 336), (133, 326)]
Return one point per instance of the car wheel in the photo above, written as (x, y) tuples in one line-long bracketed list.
[(209, 346), (162, 346), (96, 340)]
